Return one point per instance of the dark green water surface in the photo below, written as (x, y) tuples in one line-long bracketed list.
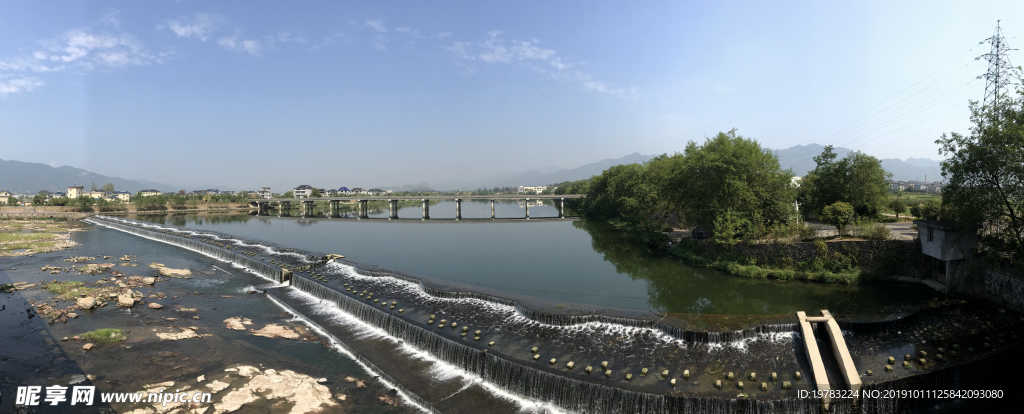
[(585, 261)]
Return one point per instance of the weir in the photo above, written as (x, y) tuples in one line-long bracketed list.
[(504, 366)]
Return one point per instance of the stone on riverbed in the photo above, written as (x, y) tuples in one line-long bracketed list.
[(87, 346), (125, 301), (154, 305), (237, 323), (149, 280), (276, 331), (87, 302)]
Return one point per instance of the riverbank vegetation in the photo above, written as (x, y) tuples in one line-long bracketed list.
[(731, 191)]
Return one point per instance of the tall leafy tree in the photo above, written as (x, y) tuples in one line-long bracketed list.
[(732, 181), (858, 180), (108, 187), (984, 173)]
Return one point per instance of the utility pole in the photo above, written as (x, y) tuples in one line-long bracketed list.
[(1000, 71)]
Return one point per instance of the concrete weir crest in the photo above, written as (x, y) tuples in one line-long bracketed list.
[(842, 354)]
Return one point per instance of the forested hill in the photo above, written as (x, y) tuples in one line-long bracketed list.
[(31, 177)]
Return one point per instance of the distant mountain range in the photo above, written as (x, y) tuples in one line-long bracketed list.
[(801, 159), (31, 177), (548, 175)]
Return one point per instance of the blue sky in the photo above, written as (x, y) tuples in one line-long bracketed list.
[(392, 93)]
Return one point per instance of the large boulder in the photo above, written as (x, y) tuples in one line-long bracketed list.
[(87, 302), (155, 305), (149, 281), (125, 301)]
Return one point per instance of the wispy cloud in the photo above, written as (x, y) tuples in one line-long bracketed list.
[(377, 25), (254, 47), (19, 85), (201, 26), (494, 49)]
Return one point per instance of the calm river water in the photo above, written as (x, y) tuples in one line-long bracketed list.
[(584, 262)]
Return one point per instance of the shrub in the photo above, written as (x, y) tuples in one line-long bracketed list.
[(838, 214)]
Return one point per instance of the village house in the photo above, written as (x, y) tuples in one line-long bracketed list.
[(302, 191), (149, 192), (76, 191)]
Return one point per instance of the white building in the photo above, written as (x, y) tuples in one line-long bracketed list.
[(302, 191), (265, 193), (535, 190)]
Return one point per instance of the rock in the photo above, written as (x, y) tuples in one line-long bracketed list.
[(869, 372), (65, 339), (888, 368), (764, 387), (673, 382), (718, 384), (643, 372), (729, 376), (536, 357), (552, 361), (321, 380), (629, 377), (125, 301), (570, 365), (775, 377), (201, 378), (154, 305), (87, 302), (195, 317), (786, 385), (892, 360), (87, 346), (753, 376), (604, 364), (589, 369), (798, 375), (739, 384), (686, 374), (534, 350), (183, 333), (149, 280), (237, 323), (608, 373), (72, 315), (276, 331)]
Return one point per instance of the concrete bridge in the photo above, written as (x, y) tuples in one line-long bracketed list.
[(363, 210)]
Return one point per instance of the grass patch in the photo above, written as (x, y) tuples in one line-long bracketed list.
[(104, 335), (70, 290), (24, 237), (827, 269), (6, 287)]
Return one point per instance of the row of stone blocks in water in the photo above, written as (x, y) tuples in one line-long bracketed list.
[(569, 320), (532, 383)]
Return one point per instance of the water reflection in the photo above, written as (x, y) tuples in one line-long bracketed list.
[(584, 261)]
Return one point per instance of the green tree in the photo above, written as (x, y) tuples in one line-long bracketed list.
[(838, 214), (11, 201), (728, 176), (930, 210), (287, 194), (38, 200), (93, 187), (108, 187), (984, 173), (84, 203), (315, 193), (897, 206), (858, 179)]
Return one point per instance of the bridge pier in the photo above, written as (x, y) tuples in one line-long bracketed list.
[(527, 205), (307, 208), (426, 209), (392, 209), (334, 205), (458, 209), (561, 208), (363, 209), (492, 209)]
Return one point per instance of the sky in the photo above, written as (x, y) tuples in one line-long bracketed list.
[(244, 94)]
